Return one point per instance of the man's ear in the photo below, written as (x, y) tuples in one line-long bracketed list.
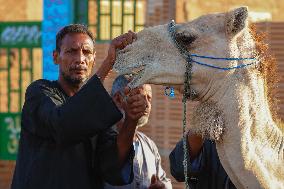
[(55, 57), (237, 20)]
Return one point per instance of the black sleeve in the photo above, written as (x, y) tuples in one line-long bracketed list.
[(176, 163), (108, 160), (85, 114)]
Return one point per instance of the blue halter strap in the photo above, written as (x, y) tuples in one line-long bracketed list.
[(192, 58)]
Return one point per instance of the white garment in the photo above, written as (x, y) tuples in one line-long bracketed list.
[(147, 161)]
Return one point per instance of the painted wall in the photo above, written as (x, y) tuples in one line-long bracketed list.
[(21, 10), (190, 9)]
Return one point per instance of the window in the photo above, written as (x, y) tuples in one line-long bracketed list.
[(110, 18)]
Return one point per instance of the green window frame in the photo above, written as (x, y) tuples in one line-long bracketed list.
[(110, 18), (20, 62)]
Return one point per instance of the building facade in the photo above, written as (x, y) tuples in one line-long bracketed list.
[(19, 65)]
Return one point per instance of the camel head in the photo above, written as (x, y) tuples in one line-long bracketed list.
[(155, 59)]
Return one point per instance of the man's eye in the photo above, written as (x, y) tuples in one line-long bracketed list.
[(87, 52), (70, 51)]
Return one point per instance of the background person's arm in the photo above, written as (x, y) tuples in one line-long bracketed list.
[(134, 107), (195, 158), (111, 170)]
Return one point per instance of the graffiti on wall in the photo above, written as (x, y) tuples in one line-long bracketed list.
[(9, 135), (16, 34)]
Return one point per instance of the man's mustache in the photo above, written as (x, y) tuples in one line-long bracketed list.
[(79, 67)]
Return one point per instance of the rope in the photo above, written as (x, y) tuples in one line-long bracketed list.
[(186, 95), (223, 68), (220, 58)]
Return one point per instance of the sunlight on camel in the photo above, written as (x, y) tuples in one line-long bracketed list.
[(234, 106)]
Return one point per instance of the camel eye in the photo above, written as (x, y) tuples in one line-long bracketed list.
[(185, 40)]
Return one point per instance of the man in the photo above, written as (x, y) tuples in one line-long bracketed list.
[(205, 170), (65, 139), (148, 172)]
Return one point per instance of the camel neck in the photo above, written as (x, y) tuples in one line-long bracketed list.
[(251, 143)]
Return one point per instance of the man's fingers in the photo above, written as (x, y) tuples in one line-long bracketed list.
[(132, 92), (134, 116), (156, 183), (137, 97), (139, 103), (123, 40), (138, 110), (133, 35), (153, 179), (127, 90)]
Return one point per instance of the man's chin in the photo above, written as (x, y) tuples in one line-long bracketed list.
[(76, 81), (142, 121)]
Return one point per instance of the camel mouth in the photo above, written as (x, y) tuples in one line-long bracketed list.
[(131, 70), (136, 71)]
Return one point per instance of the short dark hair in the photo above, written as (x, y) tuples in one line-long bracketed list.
[(72, 28)]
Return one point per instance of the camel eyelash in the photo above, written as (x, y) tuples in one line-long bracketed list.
[(185, 40)]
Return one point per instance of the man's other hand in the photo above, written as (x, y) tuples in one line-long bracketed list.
[(135, 104), (156, 183)]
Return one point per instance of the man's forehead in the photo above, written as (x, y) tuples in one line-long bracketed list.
[(78, 40), (147, 88)]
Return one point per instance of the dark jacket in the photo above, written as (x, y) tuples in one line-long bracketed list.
[(209, 174), (67, 142)]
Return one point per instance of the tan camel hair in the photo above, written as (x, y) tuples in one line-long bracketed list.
[(234, 105)]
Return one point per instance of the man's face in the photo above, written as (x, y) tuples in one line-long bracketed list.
[(76, 58), (144, 90), (147, 91)]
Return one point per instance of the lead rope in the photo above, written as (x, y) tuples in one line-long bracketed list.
[(186, 95)]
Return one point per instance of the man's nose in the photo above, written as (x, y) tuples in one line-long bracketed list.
[(80, 58)]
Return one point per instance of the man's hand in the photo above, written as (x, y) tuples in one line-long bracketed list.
[(195, 144), (120, 42), (135, 105), (117, 43), (156, 183)]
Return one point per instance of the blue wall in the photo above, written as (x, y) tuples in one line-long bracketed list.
[(56, 14)]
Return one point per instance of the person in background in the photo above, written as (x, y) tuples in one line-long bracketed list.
[(148, 172), (205, 170)]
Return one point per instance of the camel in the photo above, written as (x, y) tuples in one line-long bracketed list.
[(234, 108)]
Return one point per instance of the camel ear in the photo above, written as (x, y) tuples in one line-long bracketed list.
[(237, 20)]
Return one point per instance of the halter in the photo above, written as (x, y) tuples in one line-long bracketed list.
[(191, 57), (188, 92)]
